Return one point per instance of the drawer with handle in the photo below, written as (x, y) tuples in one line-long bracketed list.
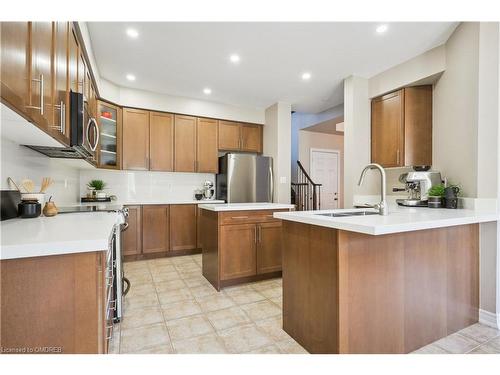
[(250, 216)]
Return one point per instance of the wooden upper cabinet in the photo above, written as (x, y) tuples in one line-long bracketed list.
[(269, 247), (40, 108), (61, 103), (185, 144), (14, 72), (135, 139), (387, 129), (132, 236), (206, 146), (109, 119), (81, 74), (161, 141), (183, 227), (238, 260), (73, 57), (251, 138), (155, 235), (418, 125), (402, 127), (229, 136)]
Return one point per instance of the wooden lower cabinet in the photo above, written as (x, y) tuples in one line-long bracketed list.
[(183, 227), (132, 236), (238, 257), (54, 304), (240, 246), (268, 247), (155, 233), (160, 231)]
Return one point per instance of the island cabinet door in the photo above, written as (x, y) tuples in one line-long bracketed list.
[(237, 254), (269, 247), (155, 236)]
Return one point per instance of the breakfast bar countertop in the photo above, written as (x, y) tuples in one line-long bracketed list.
[(400, 219)]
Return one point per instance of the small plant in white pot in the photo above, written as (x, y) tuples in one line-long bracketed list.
[(97, 187)]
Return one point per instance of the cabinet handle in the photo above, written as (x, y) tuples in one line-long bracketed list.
[(239, 217), (41, 86), (397, 156), (255, 234), (260, 234), (63, 117)]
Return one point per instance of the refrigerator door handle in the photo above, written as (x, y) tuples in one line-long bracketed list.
[(271, 185)]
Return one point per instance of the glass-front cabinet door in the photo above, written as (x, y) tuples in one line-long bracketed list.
[(109, 117)]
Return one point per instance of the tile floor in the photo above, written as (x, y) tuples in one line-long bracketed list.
[(171, 308)]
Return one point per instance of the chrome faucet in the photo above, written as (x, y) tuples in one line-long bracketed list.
[(382, 206)]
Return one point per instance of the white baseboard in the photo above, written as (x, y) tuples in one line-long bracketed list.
[(488, 318)]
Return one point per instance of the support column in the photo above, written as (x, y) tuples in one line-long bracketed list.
[(277, 144)]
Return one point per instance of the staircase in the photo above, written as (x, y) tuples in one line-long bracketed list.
[(306, 194)]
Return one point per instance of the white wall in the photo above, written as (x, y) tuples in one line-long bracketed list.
[(144, 186), (357, 140), (301, 120), (277, 144), (455, 110), (168, 103), (428, 64), (309, 140)]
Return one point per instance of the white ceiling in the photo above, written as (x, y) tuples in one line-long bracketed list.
[(182, 58)]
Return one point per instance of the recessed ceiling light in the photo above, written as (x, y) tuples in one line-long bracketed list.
[(207, 91), (130, 77), (306, 76), (381, 28), (234, 58), (133, 33)]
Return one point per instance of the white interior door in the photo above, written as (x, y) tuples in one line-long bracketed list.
[(325, 171)]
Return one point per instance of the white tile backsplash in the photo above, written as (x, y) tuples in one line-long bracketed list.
[(131, 186), (19, 163)]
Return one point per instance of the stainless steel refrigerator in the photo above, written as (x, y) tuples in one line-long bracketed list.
[(245, 178)]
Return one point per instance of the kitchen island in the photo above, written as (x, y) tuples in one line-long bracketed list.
[(379, 284), (241, 242)]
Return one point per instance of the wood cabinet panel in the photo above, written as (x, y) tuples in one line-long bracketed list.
[(229, 136), (61, 304), (387, 130), (251, 138), (14, 73), (161, 141), (418, 125), (206, 146), (185, 144), (238, 256), (41, 34), (60, 81), (268, 247), (155, 224), (135, 139), (183, 227), (132, 236), (73, 57)]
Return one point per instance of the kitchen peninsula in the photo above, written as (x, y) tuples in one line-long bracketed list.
[(379, 284)]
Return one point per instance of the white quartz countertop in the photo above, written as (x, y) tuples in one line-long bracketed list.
[(400, 219), (162, 201), (245, 206), (61, 234)]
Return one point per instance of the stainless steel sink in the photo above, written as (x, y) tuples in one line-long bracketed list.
[(349, 213)]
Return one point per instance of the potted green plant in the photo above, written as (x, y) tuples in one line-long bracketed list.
[(436, 194), (97, 187)]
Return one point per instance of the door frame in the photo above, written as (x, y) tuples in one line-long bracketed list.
[(331, 151)]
